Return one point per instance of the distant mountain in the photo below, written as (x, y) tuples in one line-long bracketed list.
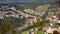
[(27, 1)]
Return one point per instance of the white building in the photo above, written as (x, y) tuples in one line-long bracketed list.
[(1, 15)]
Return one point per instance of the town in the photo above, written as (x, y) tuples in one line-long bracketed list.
[(50, 13)]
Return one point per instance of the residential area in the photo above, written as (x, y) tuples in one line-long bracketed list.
[(43, 19)]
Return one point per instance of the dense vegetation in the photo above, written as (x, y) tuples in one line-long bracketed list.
[(9, 25), (40, 24)]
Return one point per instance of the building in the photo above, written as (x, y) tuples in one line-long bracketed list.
[(1, 15)]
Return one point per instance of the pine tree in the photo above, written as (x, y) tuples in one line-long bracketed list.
[(8, 27)]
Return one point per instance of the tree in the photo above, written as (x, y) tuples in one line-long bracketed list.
[(1, 22), (9, 26), (40, 24), (58, 2)]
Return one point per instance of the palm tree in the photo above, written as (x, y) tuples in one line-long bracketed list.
[(40, 24)]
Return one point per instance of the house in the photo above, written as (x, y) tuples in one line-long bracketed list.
[(1, 15), (29, 21)]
